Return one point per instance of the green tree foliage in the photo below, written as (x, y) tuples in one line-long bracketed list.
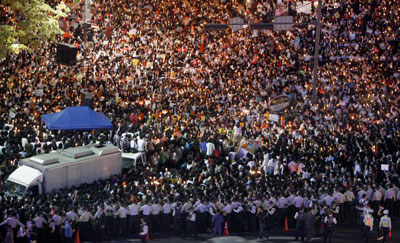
[(28, 24)]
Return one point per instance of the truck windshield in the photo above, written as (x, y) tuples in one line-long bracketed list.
[(127, 162), (14, 189)]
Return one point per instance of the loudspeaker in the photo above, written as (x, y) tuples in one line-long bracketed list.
[(87, 99), (66, 54)]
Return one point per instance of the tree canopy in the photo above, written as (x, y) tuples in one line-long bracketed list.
[(28, 24)]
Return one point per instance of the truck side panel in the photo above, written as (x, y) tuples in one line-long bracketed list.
[(94, 169), (53, 179)]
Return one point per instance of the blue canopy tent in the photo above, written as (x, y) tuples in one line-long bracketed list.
[(77, 118)]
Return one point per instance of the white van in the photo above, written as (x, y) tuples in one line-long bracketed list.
[(133, 159)]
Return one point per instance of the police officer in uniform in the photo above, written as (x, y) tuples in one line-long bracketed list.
[(146, 212), (109, 219), (166, 216), (271, 217), (300, 224), (191, 220), (238, 218), (330, 222), (122, 213), (133, 218), (100, 217), (251, 216), (84, 222), (39, 222), (386, 225), (368, 224)]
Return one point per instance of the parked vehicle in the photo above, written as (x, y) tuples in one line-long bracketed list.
[(47, 173)]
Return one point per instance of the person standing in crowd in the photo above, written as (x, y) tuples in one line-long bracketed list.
[(191, 223), (300, 224), (73, 217), (177, 217), (309, 222), (57, 221), (121, 214), (109, 219), (389, 198), (133, 218), (13, 222), (146, 214), (238, 218), (385, 224), (270, 217), (21, 235), (68, 231), (282, 204), (39, 222), (368, 223), (329, 227), (156, 216), (145, 230), (9, 235), (32, 232), (166, 216), (100, 218), (202, 213), (261, 216), (51, 234), (251, 216), (348, 203), (84, 223), (377, 218), (217, 221)]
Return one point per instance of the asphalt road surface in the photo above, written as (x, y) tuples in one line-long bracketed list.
[(341, 235)]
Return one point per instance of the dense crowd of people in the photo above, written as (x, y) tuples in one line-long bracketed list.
[(198, 104)]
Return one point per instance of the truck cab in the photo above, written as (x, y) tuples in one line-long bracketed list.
[(130, 160), (24, 180)]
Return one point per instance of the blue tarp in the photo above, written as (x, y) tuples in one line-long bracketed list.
[(77, 118)]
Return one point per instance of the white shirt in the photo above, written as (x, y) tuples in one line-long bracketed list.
[(156, 208), (298, 202), (291, 199), (39, 222), (339, 197), (238, 210), (146, 209), (166, 208), (192, 217), (237, 131), (145, 230), (360, 194), (282, 202), (141, 144), (377, 196), (328, 200), (133, 209), (122, 212), (210, 149), (86, 216), (228, 208)]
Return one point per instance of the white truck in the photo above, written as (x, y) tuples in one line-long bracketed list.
[(47, 173)]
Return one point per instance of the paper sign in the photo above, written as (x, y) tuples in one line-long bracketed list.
[(385, 167), (273, 117)]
